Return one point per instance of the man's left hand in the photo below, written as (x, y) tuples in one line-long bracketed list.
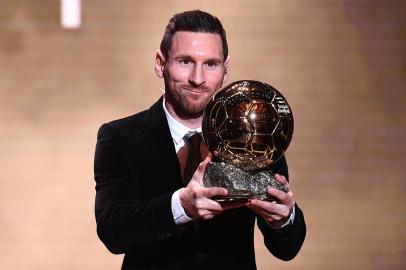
[(277, 212)]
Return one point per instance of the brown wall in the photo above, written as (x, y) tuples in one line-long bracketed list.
[(341, 64)]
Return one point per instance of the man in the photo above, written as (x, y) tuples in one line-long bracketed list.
[(143, 206)]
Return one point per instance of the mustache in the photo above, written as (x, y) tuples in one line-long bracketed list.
[(199, 89)]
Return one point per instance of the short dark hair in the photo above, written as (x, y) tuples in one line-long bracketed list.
[(193, 21)]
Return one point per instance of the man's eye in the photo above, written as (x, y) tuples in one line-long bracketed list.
[(185, 61), (211, 64)]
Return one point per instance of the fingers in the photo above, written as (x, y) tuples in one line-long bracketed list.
[(196, 200), (203, 164), (271, 212), (214, 191), (282, 179), (276, 213), (198, 175), (196, 191), (204, 205), (281, 196), (271, 208), (205, 208)]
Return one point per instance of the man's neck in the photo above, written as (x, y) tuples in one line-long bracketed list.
[(192, 123)]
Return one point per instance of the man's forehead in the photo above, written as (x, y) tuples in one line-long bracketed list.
[(199, 43)]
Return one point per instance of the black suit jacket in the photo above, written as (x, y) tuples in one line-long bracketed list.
[(136, 172)]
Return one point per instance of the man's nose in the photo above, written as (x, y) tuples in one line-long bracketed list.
[(197, 76)]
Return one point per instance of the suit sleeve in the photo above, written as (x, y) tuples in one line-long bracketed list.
[(286, 242), (124, 221)]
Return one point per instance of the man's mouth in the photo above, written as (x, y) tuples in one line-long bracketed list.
[(196, 90)]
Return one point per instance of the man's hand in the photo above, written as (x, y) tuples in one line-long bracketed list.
[(277, 212), (195, 198)]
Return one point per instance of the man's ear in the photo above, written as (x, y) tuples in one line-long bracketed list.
[(226, 69), (159, 64)]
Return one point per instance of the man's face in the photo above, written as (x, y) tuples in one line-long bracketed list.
[(193, 71)]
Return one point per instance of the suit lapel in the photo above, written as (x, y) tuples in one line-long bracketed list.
[(158, 136)]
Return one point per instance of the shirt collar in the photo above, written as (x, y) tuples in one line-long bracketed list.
[(177, 129)]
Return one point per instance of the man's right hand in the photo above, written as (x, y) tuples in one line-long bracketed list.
[(195, 198)]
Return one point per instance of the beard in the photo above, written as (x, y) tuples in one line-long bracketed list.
[(185, 105), (187, 101)]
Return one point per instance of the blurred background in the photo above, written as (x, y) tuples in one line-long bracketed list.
[(341, 65)]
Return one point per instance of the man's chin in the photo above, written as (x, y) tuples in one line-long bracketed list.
[(190, 110), (193, 112), (190, 105)]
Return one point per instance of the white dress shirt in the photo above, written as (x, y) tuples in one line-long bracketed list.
[(178, 132)]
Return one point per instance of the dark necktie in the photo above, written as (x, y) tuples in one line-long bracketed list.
[(190, 156)]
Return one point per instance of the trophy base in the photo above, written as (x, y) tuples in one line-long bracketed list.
[(227, 199), (242, 185), (239, 199), (236, 196)]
